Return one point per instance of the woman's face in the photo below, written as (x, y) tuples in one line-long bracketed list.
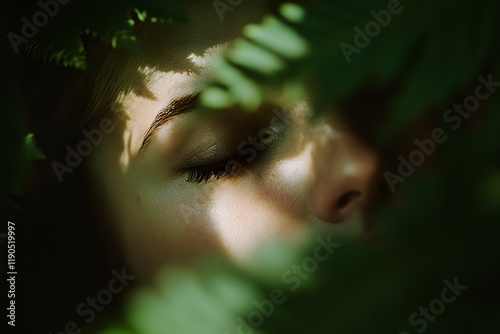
[(170, 172)]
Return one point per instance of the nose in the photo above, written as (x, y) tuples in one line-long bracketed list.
[(344, 170)]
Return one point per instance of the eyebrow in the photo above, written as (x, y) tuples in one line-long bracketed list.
[(175, 107)]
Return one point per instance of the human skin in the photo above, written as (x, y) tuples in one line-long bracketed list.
[(317, 173)]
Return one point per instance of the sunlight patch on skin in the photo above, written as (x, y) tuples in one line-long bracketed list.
[(140, 110), (230, 211), (146, 70), (239, 225), (289, 169), (204, 61), (124, 155)]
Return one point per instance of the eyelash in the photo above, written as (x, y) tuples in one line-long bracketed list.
[(214, 170), (222, 168)]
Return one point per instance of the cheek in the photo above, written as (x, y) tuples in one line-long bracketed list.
[(161, 225), (261, 207), (165, 224)]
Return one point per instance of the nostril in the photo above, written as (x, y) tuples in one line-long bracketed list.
[(347, 199)]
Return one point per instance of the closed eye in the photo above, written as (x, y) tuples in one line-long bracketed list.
[(268, 139), (216, 170)]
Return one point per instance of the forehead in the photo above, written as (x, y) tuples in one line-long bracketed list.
[(176, 54), (168, 46), (175, 60)]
